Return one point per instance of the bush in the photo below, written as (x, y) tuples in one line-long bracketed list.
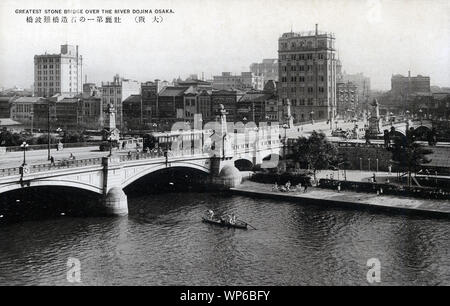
[(283, 178)]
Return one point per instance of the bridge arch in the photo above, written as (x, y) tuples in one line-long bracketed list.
[(243, 164), (154, 168), (49, 182), (421, 131)]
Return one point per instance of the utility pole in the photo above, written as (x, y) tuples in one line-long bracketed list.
[(48, 129)]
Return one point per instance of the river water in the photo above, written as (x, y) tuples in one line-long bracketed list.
[(163, 242)]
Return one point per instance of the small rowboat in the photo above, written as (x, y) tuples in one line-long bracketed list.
[(238, 224)]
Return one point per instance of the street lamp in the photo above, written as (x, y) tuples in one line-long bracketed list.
[(32, 118), (285, 127), (24, 147), (48, 130), (420, 115)]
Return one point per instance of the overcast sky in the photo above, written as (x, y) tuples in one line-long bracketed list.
[(378, 38)]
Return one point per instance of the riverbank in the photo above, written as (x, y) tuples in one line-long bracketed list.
[(349, 199)]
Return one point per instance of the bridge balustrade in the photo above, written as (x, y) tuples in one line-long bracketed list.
[(10, 171), (64, 164)]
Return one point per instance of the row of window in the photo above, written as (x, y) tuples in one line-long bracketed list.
[(39, 67), (301, 68), (48, 60), (48, 66), (307, 56), (110, 100), (303, 79), (22, 108), (45, 72), (306, 101), (110, 91), (308, 43), (43, 91)]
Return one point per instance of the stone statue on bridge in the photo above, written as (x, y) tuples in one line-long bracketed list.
[(288, 117), (112, 133), (375, 124)]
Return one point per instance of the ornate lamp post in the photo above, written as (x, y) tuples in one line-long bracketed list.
[(24, 147), (285, 127), (32, 119)]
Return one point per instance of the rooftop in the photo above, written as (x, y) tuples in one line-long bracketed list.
[(306, 34), (28, 99), (172, 91), (133, 99), (8, 122)]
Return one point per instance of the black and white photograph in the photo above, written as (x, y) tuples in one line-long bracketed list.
[(225, 148)]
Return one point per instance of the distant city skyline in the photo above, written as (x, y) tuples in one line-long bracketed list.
[(377, 38)]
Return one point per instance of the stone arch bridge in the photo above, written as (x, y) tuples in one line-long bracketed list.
[(108, 176)]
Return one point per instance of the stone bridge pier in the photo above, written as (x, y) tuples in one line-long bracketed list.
[(115, 200), (221, 171)]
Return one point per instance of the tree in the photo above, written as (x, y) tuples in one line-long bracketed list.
[(73, 137), (10, 139), (316, 152), (409, 155)]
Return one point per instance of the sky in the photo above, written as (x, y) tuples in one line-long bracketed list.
[(376, 37)]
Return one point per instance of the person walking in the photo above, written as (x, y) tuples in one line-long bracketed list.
[(52, 161)]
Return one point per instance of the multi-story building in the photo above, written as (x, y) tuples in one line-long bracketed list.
[(244, 81), (132, 113), (90, 108), (171, 105), (347, 100), (66, 114), (403, 86), (58, 73), (229, 99), (258, 105), (268, 69), (362, 84), (22, 110), (204, 105), (307, 74), (5, 103), (116, 92), (149, 96)]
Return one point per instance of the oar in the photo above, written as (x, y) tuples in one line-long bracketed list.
[(247, 223)]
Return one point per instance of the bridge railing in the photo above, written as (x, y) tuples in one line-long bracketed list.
[(64, 164), (155, 155), (9, 171)]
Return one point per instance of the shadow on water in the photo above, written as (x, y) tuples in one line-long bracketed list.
[(168, 181), (38, 203), (41, 203)]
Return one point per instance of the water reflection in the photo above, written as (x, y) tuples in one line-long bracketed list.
[(163, 242)]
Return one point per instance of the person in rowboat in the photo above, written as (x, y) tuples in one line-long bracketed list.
[(211, 214)]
